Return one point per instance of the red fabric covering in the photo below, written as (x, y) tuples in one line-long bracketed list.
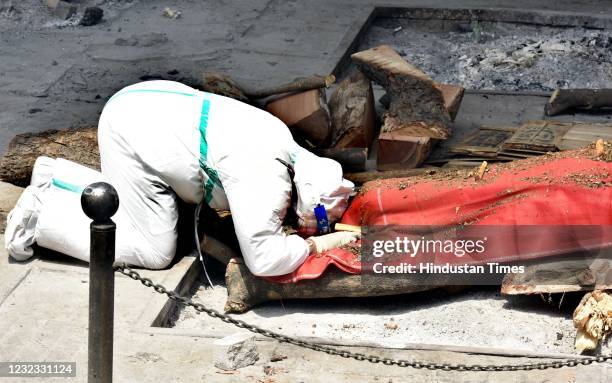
[(568, 188)]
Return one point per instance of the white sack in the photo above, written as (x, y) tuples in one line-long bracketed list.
[(62, 226)]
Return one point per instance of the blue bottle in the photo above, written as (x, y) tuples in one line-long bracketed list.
[(322, 221)]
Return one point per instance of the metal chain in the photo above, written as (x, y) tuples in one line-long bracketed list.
[(349, 354)]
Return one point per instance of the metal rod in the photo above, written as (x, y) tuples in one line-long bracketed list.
[(100, 202)]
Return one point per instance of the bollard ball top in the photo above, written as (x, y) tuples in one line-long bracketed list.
[(100, 201)]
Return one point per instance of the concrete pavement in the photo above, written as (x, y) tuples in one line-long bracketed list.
[(43, 317)]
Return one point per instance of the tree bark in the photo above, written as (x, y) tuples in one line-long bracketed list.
[(452, 95), (588, 99), (353, 114), (78, 145), (416, 104)]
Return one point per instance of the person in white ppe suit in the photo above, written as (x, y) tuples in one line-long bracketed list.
[(162, 140)]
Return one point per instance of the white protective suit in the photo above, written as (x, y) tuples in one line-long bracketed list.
[(162, 139)]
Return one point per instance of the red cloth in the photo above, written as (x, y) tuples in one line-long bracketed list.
[(567, 188)]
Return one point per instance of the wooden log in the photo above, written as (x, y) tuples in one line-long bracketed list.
[(353, 114), (399, 151), (351, 159), (306, 114), (363, 177), (246, 291), (216, 249), (416, 104), (298, 85), (560, 276), (402, 150), (586, 99), (221, 84), (452, 95), (78, 145)]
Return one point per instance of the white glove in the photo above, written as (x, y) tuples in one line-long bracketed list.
[(333, 240)]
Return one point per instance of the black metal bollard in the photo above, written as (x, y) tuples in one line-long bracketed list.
[(100, 202)]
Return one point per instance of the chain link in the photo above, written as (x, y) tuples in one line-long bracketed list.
[(354, 355)]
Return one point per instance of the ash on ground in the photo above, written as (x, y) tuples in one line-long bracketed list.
[(500, 55), (477, 317), (24, 16)]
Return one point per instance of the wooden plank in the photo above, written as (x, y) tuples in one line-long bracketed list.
[(585, 99), (516, 154), (537, 135), (484, 142), (560, 276), (580, 135)]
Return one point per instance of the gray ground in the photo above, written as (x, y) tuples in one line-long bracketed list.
[(501, 56), (480, 318), (57, 75)]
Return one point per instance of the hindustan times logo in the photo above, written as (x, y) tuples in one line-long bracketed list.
[(412, 247)]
